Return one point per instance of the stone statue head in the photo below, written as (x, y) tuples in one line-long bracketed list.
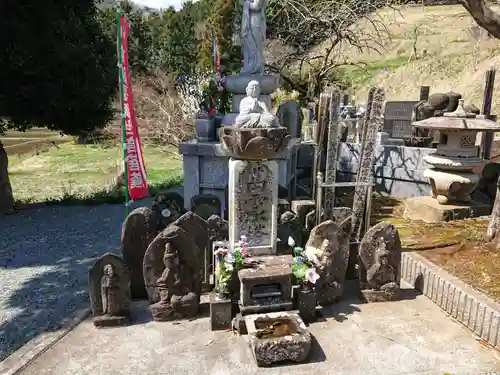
[(108, 270), (253, 89)]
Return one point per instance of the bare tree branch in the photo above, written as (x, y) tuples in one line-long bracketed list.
[(333, 24), (484, 16)]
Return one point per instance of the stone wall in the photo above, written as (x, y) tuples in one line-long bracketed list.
[(398, 169)]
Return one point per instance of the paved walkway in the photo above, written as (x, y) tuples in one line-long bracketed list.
[(45, 255), (412, 336)]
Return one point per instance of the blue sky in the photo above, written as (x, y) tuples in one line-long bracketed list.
[(160, 3)]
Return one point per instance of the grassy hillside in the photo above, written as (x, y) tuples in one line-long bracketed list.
[(449, 56)]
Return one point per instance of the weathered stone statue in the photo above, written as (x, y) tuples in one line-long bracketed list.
[(289, 226), (253, 112), (167, 207), (253, 35), (109, 290), (138, 231), (173, 270), (380, 262), (329, 241)]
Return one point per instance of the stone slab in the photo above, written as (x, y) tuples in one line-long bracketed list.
[(429, 210), (294, 346), (469, 307), (411, 336)]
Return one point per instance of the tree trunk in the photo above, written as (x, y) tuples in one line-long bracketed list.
[(484, 16), (494, 224), (6, 198)]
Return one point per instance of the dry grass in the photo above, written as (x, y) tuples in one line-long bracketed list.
[(448, 56)]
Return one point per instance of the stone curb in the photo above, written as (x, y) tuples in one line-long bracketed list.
[(465, 304), (21, 358)]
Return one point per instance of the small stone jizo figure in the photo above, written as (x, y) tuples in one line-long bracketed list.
[(253, 112), (380, 259), (109, 283)]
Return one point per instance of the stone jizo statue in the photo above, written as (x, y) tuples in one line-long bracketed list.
[(253, 35), (253, 112), (109, 282)]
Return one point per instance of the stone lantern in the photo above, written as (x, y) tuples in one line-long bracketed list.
[(451, 174)]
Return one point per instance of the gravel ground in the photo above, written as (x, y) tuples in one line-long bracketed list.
[(45, 254)]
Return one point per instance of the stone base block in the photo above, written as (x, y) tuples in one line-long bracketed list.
[(276, 305), (220, 313), (370, 296), (111, 321), (165, 312), (429, 210), (278, 337)]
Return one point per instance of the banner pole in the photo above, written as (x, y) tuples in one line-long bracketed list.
[(122, 97)]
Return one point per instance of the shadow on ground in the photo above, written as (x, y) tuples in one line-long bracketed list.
[(45, 255)]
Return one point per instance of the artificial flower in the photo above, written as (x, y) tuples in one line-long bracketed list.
[(312, 276), (221, 251), (228, 266), (229, 258)]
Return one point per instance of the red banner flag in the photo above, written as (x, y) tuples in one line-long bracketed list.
[(135, 170)]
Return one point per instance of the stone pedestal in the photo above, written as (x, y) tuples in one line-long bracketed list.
[(253, 204), (429, 210), (267, 286)]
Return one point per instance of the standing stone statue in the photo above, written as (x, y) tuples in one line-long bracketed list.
[(253, 35), (138, 230), (253, 112), (109, 290), (380, 263), (329, 242)]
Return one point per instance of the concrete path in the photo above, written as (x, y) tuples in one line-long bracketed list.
[(412, 336)]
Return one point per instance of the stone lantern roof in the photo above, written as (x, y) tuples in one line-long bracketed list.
[(459, 120)]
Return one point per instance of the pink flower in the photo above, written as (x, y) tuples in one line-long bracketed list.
[(221, 251)]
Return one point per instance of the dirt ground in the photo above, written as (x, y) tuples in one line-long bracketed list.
[(456, 246)]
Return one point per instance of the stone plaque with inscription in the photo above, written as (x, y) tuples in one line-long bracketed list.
[(253, 204)]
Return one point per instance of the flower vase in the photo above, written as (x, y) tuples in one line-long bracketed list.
[(204, 127), (234, 286), (306, 301), (217, 124)]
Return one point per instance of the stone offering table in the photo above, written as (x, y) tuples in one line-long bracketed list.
[(451, 175), (267, 286)]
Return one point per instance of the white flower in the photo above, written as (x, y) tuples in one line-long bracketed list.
[(312, 276), (243, 238), (312, 258), (228, 266), (229, 258), (291, 242)]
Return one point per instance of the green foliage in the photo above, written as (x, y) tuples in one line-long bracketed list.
[(220, 20), (58, 68)]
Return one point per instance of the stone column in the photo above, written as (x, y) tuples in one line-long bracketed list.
[(253, 204)]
